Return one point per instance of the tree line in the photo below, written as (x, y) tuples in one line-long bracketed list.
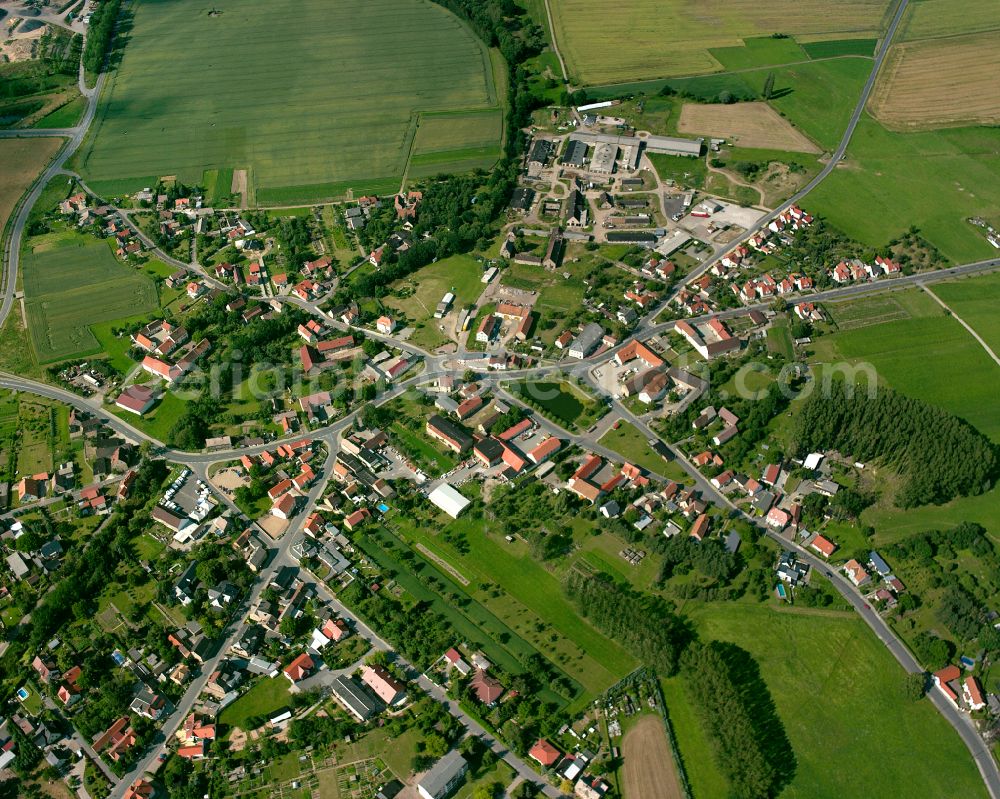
[(735, 705), (643, 625), (939, 455), (101, 31)]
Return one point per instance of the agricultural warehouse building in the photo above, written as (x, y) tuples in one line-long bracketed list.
[(605, 155), (643, 238), (541, 151), (137, 399), (356, 699), (449, 434), (449, 500), (522, 199), (667, 145), (576, 153), (671, 145), (444, 777), (577, 214), (586, 341)]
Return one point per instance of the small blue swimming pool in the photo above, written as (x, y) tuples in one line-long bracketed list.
[(22, 694), (382, 507)]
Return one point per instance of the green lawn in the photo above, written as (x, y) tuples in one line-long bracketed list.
[(633, 446), (957, 178), (779, 338), (566, 404), (458, 274), (840, 695), (157, 422), (360, 105), (268, 695), (433, 458), (689, 172)]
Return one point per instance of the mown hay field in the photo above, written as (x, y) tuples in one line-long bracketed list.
[(21, 161), (313, 98), (639, 39), (930, 19), (746, 124), (940, 83), (72, 282)]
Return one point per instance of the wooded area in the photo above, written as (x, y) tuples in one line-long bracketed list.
[(940, 455)]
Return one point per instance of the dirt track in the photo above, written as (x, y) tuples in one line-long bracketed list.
[(649, 771)]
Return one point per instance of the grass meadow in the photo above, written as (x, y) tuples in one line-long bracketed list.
[(879, 194), (459, 274), (531, 596), (927, 355), (314, 99), (966, 388), (71, 282), (841, 697)]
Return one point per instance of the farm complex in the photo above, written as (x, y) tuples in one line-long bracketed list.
[(362, 72)]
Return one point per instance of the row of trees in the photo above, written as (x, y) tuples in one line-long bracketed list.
[(643, 625), (101, 30), (729, 694), (940, 455)]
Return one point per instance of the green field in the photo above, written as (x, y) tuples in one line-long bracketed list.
[(627, 441), (660, 38), (832, 48), (957, 178), (358, 73), (927, 355), (531, 596), (975, 301), (471, 137), (65, 116), (759, 52), (840, 696), (566, 404), (71, 282)]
